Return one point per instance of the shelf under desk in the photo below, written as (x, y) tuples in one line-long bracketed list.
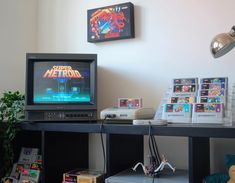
[(129, 176), (198, 141)]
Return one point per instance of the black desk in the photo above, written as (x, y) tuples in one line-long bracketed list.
[(124, 143)]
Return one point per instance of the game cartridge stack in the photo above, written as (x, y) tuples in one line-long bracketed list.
[(84, 176), (211, 100), (28, 167), (178, 109)]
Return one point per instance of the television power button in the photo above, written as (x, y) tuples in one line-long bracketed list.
[(61, 115)]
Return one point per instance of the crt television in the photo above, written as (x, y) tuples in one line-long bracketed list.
[(61, 87)]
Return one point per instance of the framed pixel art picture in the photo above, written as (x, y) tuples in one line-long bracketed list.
[(110, 23)]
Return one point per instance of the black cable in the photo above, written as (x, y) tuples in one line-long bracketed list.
[(102, 142), (154, 146), (157, 151), (150, 147), (152, 157), (154, 152), (153, 149), (153, 179)]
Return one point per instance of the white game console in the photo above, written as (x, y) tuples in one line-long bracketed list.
[(127, 113)]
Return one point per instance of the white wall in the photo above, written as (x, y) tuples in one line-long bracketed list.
[(172, 40), (18, 34)]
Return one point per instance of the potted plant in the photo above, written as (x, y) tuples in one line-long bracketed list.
[(11, 111)]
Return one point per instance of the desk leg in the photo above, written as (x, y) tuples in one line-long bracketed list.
[(199, 158), (43, 155)]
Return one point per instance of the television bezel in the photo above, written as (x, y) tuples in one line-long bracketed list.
[(31, 58)]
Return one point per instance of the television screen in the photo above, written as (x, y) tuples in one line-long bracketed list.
[(61, 82)]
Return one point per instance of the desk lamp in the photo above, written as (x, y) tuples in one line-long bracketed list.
[(223, 43)]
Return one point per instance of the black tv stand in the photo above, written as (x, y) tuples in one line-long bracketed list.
[(65, 146)]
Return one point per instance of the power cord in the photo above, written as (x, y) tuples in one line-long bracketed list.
[(154, 154), (110, 116), (102, 143)]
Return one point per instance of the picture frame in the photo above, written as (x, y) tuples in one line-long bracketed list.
[(108, 23)]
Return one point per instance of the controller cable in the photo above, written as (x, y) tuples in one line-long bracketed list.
[(101, 138), (102, 143), (155, 159)]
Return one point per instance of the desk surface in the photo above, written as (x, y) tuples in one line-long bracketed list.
[(191, 130)]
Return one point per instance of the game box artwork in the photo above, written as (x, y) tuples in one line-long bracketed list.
[(61, 82), (111, 22)]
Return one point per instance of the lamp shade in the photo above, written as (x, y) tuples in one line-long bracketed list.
[(223, 43)]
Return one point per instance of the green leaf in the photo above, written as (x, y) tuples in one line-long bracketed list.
[(11, 111)]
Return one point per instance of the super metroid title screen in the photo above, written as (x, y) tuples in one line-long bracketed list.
[(63, 82)]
